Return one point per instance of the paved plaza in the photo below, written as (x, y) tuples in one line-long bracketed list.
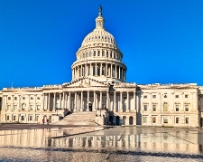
[(83, 143)]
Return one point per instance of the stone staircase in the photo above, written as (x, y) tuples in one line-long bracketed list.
[(78, 118)]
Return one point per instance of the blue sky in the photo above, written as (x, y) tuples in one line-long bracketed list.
[(162, 41)]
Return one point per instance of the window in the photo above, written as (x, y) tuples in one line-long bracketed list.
[(9, 98), (57, 105), (30, 118), (177, 120), (154, 107), (14, 107), (102, 53), (145, 96), (165, 120), (23, 106), (186, 96), (98, 53), (165, 96), (22, 117), (14, 117), (144, 119), (177, 96), (154, 119), (31, 98), (187, 120), (165, 106), (38, 107), (15, 98), (177, 107), (107, 54), (186, 108), (31, 107), (7, 117), (145, 107), (94, 53), (8, 107), (37, 118), (154, 96), (23, 98), (38, 98)]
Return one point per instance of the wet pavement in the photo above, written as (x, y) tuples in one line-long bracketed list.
[(98, 144)]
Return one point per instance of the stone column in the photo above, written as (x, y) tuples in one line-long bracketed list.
[(106, 69), (60, 100), (121, 102), (116, 71), (63, 104), (94, 101), (114, 101), (100, 99), (119, 72), (81, 102), (88, 98), (18, 103), (172, 101), (75, 102), (107, 100), (69, 102), (182, 104), (127, 105), (135, 105), (101, 69), (111, 71), (54, 106)]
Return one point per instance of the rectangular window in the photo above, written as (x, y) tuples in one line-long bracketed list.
[(22, 117), (145, 96), (154, 107), (177, 107), (31, 107), (144, 119), (154, 96), (154, 119), (30, 118), (8, 107), (14, 118), (165, 108), (38, 107), (186, 96), (165, 120), (37, 118), (177, 120), (177, 96), (7, 117), (145, 107), (186, 108), (14, 107), (186, 120)]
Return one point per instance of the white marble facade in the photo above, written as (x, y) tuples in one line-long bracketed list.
[(99, 81)]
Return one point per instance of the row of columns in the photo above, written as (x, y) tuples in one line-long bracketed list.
[(100, 53), (72, 104), (99, 69)]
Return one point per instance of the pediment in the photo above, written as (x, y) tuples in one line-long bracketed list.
[(85, 82)]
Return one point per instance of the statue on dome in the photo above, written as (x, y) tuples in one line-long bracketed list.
[(100, 10)]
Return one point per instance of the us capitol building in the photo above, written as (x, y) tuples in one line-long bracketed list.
[(99, 93)]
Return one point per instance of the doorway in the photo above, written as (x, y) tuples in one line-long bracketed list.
[(90, 106)]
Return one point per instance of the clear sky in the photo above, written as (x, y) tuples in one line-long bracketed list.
[(161, 40)]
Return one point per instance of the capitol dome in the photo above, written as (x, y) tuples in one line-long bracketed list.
[(99, 57)]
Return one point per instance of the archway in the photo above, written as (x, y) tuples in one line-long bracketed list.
[(131, 120), (111, 119), (90, 106), (124, 120), (117, 120)]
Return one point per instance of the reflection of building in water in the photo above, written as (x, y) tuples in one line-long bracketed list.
[(99, 81), (178, 142)]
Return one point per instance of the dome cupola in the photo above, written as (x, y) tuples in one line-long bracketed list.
[(99, 57)]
